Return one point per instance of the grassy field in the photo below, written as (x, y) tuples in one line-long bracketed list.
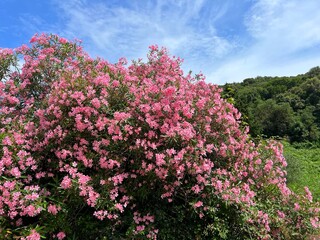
[(303, 168)]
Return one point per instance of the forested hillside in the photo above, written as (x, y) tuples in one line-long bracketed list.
[(280, 106)]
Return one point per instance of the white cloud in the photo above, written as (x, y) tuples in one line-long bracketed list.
[(247, 67), (271, 37), (294, 24), (285, 35), (117, 31)]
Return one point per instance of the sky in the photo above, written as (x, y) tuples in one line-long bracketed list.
[(226, 40)]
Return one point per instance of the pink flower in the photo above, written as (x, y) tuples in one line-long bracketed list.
[(281, 214), (258, 161), (268, 166), (7, 141), (83, 179), (9, 185), (33, 236), (160, 159), (34, 38), (308, 194), (315, 222), (61, 235), (115, 83), (32, 196), (119, 207), (100, 214), (15, 172), (96, 103), (140, 228), (198, 204), (63, 40), (30, 211), (218, 185), (296, 207), (53, 209), (66, 182), (121, 116), (169, 91)]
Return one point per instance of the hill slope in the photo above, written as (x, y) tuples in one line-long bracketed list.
[(279, 106)]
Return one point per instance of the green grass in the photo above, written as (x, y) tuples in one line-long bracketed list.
[(303, 168)]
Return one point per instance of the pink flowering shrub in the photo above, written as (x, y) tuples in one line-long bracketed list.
[(93, 150)]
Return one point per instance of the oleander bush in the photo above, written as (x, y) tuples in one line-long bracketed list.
[(94, 150)]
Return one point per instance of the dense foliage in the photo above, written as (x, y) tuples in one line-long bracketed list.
[(93, 150), (280, 106)]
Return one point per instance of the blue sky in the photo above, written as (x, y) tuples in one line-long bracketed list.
[(227, 40)]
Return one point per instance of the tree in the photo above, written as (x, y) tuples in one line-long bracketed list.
[(273, 119)]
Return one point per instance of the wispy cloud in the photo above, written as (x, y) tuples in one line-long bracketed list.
[(31, 23), (286, 41), (228, 40), (185, 27)]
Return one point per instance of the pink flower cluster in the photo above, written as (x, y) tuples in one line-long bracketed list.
[(109, 132)]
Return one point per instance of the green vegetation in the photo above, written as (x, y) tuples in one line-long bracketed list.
[(303, 168), (280, 106)]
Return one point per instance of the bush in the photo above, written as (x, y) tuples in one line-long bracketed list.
[(93, 150)]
